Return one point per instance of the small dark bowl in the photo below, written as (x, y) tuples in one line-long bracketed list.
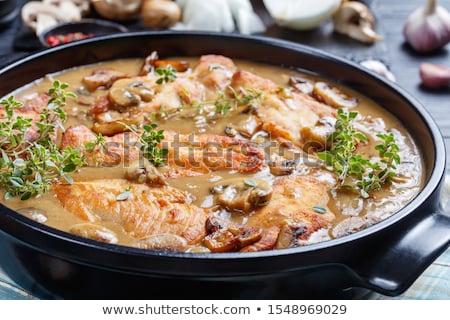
[(96, 27)]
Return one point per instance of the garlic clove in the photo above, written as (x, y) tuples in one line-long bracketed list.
[(428, 27), (378, 67), (434, 76)]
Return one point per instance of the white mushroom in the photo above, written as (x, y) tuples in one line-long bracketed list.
[(355, 20), (40, 15), (84, 6), (67, 8), (118, 9), (160, 14)]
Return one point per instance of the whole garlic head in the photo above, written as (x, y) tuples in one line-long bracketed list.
[(428, 27)]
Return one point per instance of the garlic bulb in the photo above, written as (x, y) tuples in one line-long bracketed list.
[(428, 27), (434, 76)]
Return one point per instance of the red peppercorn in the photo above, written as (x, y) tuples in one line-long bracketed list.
[(65, 38)]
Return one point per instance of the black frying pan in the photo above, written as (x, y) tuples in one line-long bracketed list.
[(386, 257)]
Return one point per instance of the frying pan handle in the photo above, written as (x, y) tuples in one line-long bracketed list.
[(411, 251)]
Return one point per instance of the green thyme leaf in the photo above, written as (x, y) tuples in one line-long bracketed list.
[(319, 209), (365, 175), (166, 74), (124, 195), (29, 167)]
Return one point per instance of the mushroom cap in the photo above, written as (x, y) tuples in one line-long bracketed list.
[(32, 9), (40, 15), (120, 10)]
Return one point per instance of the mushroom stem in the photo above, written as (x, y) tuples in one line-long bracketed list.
[(355, 20)]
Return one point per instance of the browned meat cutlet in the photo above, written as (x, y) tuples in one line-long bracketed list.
[(283, 112), (147, 211)]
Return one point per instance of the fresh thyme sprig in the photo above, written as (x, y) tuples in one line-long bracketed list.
[(149, 140), (225, 103), (365, 175), (29, 166), (167, 74)]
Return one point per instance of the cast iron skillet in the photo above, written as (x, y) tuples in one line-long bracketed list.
[(386, 257)]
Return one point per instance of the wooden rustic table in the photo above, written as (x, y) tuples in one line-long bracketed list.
[(17, 41)]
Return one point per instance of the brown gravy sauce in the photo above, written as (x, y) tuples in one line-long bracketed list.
[(384, 203)]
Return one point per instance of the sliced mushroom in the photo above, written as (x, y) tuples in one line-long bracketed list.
[(225, 236), (118, 126), (149, 63), (242, 194), (291, 233), (84, 97), (167, 241), (142, 171), (315, 138), (221, 241), (94, 232), (178, 65), (303, 85), (126, 93), (152, 62), (267, 242), (36, 214), (39, 16), (280, 166), (102, 78), (355, 20), (351, 225), (246, 127), (333, 96)]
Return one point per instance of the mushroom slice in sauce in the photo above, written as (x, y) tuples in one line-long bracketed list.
[(102, 78), (242, 194), (142, 171), (126, 93), (246, 128), (166, 241), (94, 232), (36, 214), (333, 96), (117, 126), (315, 138), (226, 236), (303, 85), (153, 62), (351, 225), (291, 232), (280, 166), (267, 241)]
